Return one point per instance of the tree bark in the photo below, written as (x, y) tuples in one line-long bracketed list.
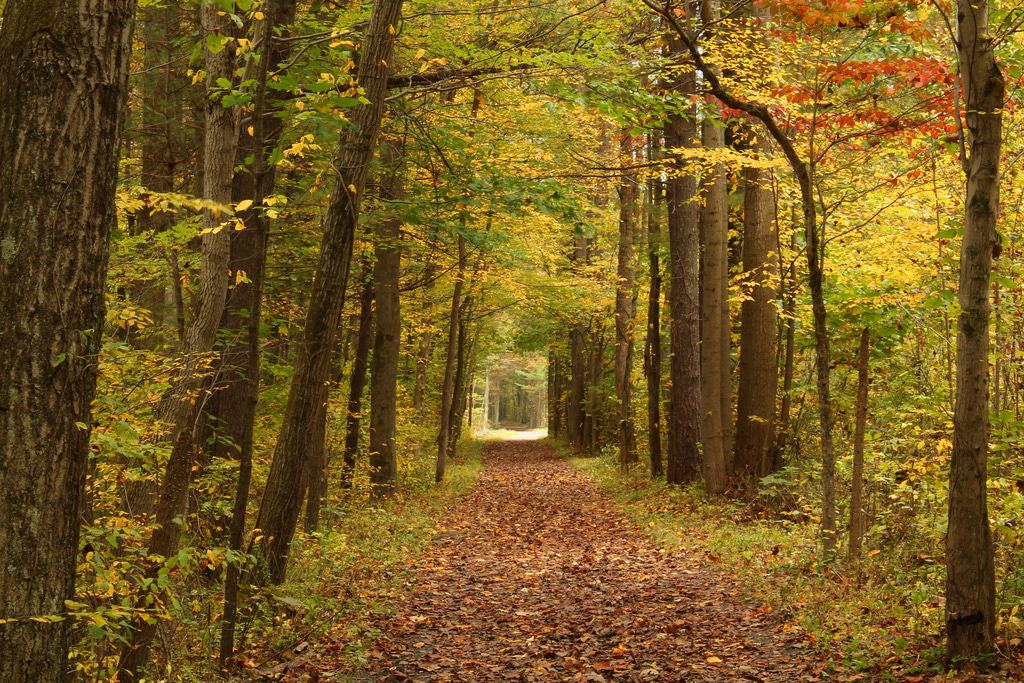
[(63, 88), (970, 574), (465, 347), (184, 403), (804, 171), (282, 499), (857, 487), (161, 141), (684, 461), (758, 369), (577, 408), (357, 380), (624, 314), (714, 344), (386, 347), (235, 403), (652, 345), (451, 358)]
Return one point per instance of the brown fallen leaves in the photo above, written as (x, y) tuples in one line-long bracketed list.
[(537, 577)]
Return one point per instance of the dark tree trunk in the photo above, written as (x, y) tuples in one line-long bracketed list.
[(624, 314), (652, 346), (387, 339), (159, 87), (63, 87), (970, 574), (235, 403), (282, 499), (357, 380), (458, 409), (758, 379), (577, 408), (788, 367), (684, 462), (857, 487), (447, 385), (183, 405)]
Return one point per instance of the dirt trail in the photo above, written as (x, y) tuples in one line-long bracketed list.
[(538, 577)]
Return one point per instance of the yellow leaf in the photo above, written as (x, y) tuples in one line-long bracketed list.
[(714, 660), (243, 205)]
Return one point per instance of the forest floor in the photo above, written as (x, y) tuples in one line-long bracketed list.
[(537, 575)]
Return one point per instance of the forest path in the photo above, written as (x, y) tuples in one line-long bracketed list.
[(539, 577)]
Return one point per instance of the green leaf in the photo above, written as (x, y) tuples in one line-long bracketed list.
[(215, 43)]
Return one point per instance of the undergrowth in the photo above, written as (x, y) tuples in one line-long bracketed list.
[(340, 580), (885, 625)]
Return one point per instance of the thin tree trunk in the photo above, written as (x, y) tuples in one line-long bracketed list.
[(970, 574), (624, 314), (447, 386), (577, 409), (857, 487), (184, 404), (758, 380), (684, 461), (63, 88), (652, 346), (784, 427), (282, 499), (458, 405), (357, 380), (237, 399), (160, 140)]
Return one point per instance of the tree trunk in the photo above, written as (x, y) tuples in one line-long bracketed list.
[(383, 457), (183, 405), (857, 487), (236, 401), (788, 367), (316, 476), (160, 140), (652, 345), (805, 176), (63, 87), (458, 406), (684, 461), (970, 574), (357, 380), (624, 323), (447, 385), (282, 499), (714, 345), (577, 409), (758, 369)]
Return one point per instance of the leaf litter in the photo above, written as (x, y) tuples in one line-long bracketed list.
[(537, 576)]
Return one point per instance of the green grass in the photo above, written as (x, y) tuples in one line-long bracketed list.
[(886, 625)]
